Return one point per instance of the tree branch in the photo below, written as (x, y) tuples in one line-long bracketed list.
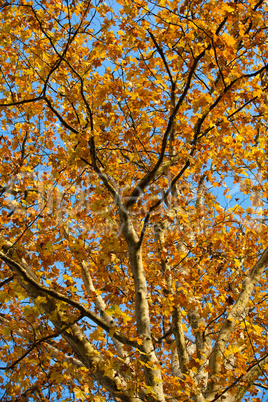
[(83, 349), (147, 179), (38, 289), (235, 314)]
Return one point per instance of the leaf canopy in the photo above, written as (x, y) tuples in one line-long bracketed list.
[(133, 184)]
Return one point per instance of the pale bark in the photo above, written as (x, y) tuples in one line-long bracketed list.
[(175, 364), (177, 321), (153, 375), (101, 306), (83, 350), (98, 300), (230, 322), (248, 379), (180, 339)]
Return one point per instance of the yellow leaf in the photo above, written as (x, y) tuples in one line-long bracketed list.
[(79, 394)]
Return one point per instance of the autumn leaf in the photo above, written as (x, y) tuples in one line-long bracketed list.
[(133, 185)]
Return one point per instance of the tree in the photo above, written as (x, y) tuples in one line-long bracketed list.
[(134, 200)]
